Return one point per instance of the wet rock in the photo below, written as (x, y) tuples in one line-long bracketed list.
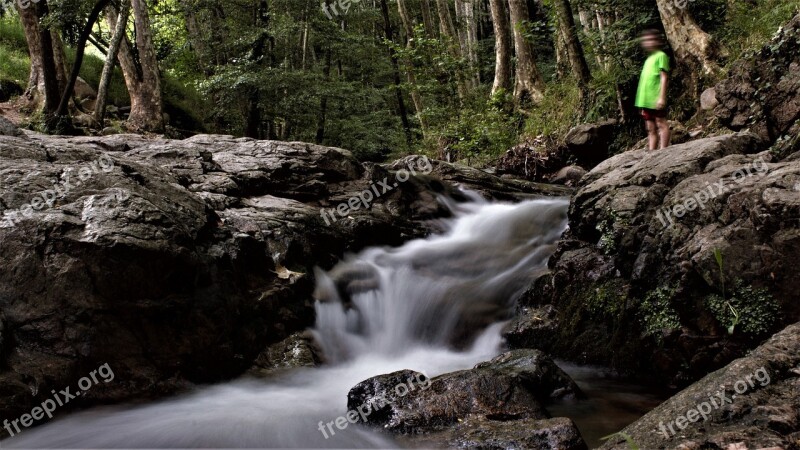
[(297, 350), (511, 387), (762, 92), (753, 402), (483, 433), (532, 327)]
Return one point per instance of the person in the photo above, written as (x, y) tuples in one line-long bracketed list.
[(651, 96)]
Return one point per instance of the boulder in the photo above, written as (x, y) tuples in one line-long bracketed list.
[(708, 99), (180, 261), (569, 176), (589, 142), (510, 387), (83, 90), (524, 434), (9, 129), (532, 328), (752, 402), (297, 350), (9, 89), (636, 273)]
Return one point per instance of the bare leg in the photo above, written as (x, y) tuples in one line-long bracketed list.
[(652, 135), (663, 131)]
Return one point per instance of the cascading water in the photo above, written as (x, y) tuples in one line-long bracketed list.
[(433, 305)]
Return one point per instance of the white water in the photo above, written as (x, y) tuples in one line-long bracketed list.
[(434, 305)]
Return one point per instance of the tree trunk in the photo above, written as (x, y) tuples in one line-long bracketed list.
[(448, 29), (49, 69), (690, 42), (427, 18), (416, 98), (529, 86), (142, 80), (468, 36), (80, 49), (502, 47), (36, 90), (577, 60), (111, 58), (401, 104)]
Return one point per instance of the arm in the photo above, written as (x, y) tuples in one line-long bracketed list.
[(662, 96)]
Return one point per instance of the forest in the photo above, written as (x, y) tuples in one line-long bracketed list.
[(458, 79), (462, 224)]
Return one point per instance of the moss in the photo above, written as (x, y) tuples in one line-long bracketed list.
[(750, 311), (656, 312)]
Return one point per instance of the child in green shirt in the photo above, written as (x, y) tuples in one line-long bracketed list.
[(651, 96)]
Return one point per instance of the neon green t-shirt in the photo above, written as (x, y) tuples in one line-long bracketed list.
[(650, 80)]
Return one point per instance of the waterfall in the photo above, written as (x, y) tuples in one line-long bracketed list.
[(433, 305)]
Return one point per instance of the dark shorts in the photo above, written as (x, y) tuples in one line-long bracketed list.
[(653, 114)]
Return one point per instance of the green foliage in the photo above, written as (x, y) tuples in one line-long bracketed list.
[(749, 310), (657, 313), (558, 111), (632, 445), (748, 25), (605, 301), (14, 60)]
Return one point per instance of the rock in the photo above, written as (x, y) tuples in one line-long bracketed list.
[(108, 131), (9, 129), (9, 89), (88, 104), (589, 142), (297, 350), (180, 261), (511, 387), (708, 99), (569, 175), (762, 92), (755, 403), (529, 434), (83, 90), (532, 328), (633, 275), (84, 120)]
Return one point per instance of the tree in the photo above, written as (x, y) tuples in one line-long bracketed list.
[(529, 85), (42, 82), (690, 42), (577, 59), (111, 58), (502, 47), (140, 69)]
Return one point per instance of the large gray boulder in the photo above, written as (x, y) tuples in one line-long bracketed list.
[(637, 273), (178, 262), (753, 402)]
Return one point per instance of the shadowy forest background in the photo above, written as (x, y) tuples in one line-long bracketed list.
[(455, 79)]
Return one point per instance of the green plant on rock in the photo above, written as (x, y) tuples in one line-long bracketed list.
[(608, 240), (657, 313), (753, 311)]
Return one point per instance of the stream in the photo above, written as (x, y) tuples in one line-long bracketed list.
[(433, 305)]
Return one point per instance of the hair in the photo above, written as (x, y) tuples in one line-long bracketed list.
[(654, 32)]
